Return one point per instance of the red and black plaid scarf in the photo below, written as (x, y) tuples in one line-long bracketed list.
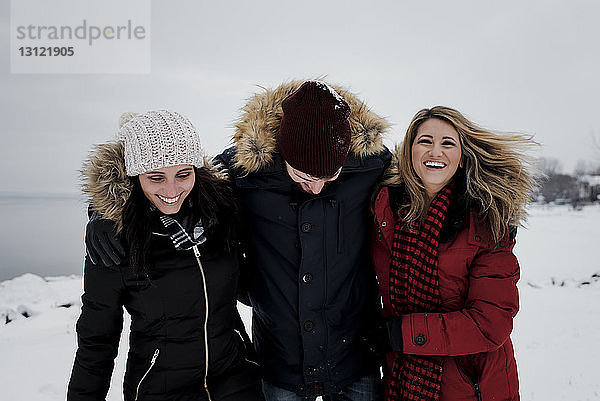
[(415, 287)]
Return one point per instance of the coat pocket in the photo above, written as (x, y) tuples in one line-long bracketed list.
[(468, 373), (146, 373)]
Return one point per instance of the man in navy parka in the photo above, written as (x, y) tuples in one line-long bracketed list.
[(304, 162)]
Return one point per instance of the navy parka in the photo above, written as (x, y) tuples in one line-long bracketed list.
[(309, 276)]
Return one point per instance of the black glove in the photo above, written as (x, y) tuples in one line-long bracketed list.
[(375, 341), (101, 241), (385, 336), (394, 333)]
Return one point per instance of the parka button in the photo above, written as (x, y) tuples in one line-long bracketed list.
[(308, 325), (383, 224), (420, 339), (307, 278), (306, 227)]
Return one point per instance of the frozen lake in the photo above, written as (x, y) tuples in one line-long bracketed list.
[(41, 235)]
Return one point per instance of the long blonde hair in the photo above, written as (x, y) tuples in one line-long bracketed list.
[(498, 174)]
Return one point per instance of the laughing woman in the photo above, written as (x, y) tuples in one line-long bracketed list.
[(443, 239), (177, 220)]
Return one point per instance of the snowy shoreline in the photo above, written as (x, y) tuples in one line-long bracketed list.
[(555, 338), (555, 332)]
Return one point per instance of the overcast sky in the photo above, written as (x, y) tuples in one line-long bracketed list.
[(526, 66)]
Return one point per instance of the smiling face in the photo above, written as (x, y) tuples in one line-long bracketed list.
[(309, 183), (436, 154), (167, 187)]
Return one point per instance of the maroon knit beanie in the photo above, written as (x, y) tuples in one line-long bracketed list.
[(314, 134)]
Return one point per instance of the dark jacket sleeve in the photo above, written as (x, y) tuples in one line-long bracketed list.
[(98, 333), (224, 162)]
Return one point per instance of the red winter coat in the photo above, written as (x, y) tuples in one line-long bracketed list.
[(479, 300)]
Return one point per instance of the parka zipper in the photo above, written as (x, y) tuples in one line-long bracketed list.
[(473, 383), (152, 362), (197, 253), (477, 391)]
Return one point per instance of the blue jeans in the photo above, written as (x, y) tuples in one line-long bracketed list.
[(364, 389)]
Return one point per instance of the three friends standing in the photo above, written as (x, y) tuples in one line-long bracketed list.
[(304, 219)]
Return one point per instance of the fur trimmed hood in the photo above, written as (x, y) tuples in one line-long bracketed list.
[(255, 130), (105, 183), (391, 175)]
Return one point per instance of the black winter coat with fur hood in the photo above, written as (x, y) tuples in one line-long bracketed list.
[(310, 278), (186, 336)]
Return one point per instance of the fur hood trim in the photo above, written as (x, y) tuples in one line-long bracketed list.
[(391, 176), (105, 183), (255, 130)]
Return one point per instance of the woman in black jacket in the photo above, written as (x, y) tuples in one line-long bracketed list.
[(177, 219)]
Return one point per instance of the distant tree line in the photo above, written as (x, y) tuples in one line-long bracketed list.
[(582, 186)]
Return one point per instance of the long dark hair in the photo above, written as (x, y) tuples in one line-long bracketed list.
[(212, 199)]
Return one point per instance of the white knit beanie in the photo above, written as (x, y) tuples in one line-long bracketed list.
[(157, 139)]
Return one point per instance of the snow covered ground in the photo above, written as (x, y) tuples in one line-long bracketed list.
[(556, 334)]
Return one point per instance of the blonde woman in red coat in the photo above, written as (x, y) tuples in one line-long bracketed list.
[(445, 219)]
